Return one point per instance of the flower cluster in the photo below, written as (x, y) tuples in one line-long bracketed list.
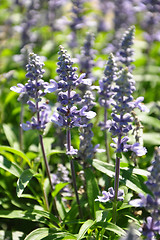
[(67, 115), (121, 114), (77, 21), (86, 149), (125, 53), (33, 91), (110, 195), (105, 91), (125, 17), (151, 203), (150, 21), (87, 55)]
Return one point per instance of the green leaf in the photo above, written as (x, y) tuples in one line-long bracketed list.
[(10, 166), (106, 168), (24, 179), (127, 177), (11, 137), (60, 236), (58, 188), (52, 152), (37, 234), (134, 182), (16, 152), (92, 190), (31, 215), (60, 207), (111, 227), (151, 121), (48, 234), (151, 138), (84, 228)]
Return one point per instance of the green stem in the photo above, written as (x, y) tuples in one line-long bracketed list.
[(21, 129), (116, 186), (73, 172), (106, 135), (45, 161)]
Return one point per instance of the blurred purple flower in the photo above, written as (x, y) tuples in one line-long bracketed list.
[(110, 195)]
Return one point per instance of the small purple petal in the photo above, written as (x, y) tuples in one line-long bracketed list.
[(97, 149), (139, 150), (19, 89), (27, 126), (57, 119), (72, 151), (87, 81), (104, 198), (80, 79), (52, 87), (89, 114)]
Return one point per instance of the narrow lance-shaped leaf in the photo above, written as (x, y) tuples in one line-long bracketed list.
[(84, 228), (10, 166), (92, 190), (24, 179)]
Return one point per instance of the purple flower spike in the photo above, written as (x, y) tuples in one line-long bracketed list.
[(69, 115), (33, 91)]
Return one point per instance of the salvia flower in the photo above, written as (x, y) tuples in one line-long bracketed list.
[(110, 195), (77, 21), (68, 115), (150, 20), (125, 53), (124, 17), (150, 227), (87, 56), (106, 91), (121, 113), (33, 91)]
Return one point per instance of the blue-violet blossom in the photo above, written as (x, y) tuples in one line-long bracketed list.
[(68, 115), (33, 91)]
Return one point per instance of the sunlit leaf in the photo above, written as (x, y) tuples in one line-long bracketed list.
[(84, 228), (11, 167), (24, 179)]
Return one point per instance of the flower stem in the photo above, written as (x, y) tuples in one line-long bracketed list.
[(21, 129), (73, 172), (116, 186), (45, 161), (106, 135)]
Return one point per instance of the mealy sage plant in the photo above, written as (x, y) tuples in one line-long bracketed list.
[(34, 90), (68, 115)]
